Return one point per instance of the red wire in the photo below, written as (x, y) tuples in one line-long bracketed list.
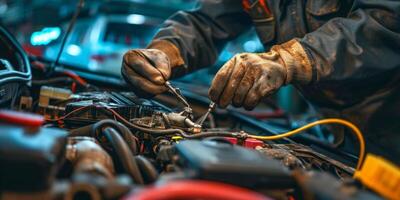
[(68, 114), (195, 189), (73, 87), (75, 76), (39, 65), (142, 148), (265, 7), (115, 113)]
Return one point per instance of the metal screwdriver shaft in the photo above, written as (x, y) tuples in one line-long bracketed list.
[(177, 94), (203, 118)]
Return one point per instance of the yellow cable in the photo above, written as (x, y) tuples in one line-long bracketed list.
[(348, 124)]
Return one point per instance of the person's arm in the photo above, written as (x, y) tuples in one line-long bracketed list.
[(365, 43), (187, 41), (354, 50), (201, 34)]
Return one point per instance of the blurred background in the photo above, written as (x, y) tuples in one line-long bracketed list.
[(106, 29)]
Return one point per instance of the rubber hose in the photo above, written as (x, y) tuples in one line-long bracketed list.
[(124, 155), (148, 170), (93, 130), (82, 131), (121, 129)]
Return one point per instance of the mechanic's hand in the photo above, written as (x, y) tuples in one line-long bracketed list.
[(147, 70), (248, 77)]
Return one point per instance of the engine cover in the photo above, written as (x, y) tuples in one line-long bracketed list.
[(225, 162)]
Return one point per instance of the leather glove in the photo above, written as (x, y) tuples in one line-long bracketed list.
[(248, 77), (147, 70)]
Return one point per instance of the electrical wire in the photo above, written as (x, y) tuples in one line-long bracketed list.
[(75, 76), (53, 81), (143, 129), (348, 124), (170, 131), (68, 114)]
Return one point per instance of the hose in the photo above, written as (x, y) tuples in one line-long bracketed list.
[(124, 155), (148, 170), (94, 130)]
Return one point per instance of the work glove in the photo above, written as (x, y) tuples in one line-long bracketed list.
[(248, 77), (147, 70)]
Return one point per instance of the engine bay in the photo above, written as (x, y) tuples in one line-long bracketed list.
[(104, 145), (63, 137)]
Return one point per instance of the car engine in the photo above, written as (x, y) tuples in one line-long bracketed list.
[(62, 137)]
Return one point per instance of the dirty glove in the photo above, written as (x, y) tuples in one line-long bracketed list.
[(148, 69), (248, 77)]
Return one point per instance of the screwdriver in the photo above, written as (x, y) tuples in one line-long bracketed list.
[(203, 118), (167, 84), (181, 98), (177, 94)]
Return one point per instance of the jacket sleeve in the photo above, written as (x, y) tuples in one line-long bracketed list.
[(359, 46), (202, 33)]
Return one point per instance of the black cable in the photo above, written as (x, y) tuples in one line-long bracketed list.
[(210, 134), (65, 80), (181, 132), (53, 81), (218, 139), (156, 131), (124, 155), (169, 131), (65, 38), (148, 170), (143, 129)]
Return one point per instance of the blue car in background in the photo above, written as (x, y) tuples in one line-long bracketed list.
[(98, 43)]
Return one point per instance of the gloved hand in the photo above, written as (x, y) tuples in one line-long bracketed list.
[(148, 69), (248, 77)]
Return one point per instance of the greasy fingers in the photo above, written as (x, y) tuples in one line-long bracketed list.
[(246, 79)]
